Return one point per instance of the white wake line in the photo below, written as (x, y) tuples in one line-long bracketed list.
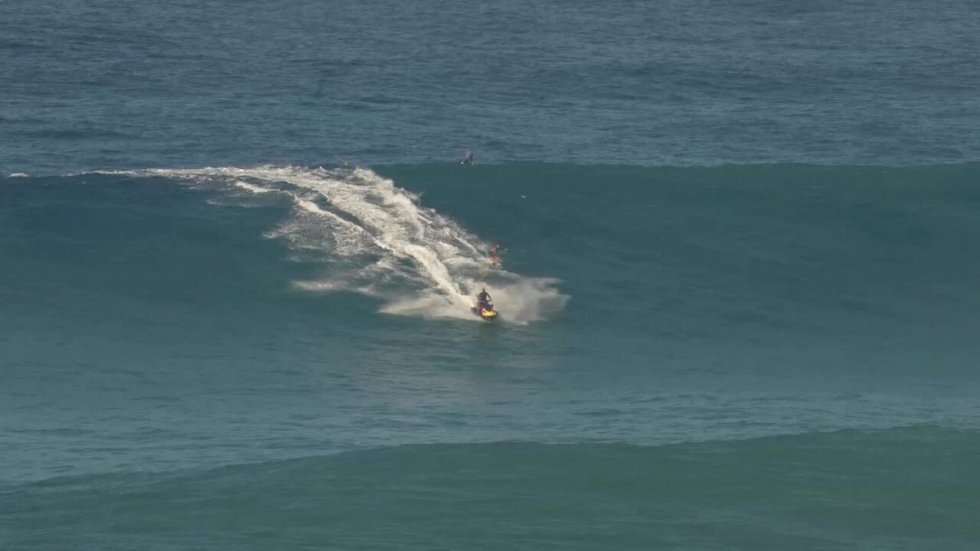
[(410, 251), (350, 198), (312, 207), (258, 190), (362, 213)]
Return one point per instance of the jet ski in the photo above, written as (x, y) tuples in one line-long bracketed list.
[(484, 307), (487, 313)]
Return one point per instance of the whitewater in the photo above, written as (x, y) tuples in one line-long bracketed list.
[(377, 239)]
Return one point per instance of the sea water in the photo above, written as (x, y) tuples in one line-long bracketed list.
[(738, 297)]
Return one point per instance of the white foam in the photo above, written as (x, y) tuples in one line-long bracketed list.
[(376, 239), (252, 188), (19, 175)]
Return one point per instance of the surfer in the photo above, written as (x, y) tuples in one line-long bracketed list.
[(495, 260), (467, 158)]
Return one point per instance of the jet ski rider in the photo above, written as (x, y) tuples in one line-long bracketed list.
[(484, 301)]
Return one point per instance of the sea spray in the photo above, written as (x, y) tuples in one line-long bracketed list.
[(375, 238)]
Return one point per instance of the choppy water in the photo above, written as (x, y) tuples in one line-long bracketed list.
[(738, 299)]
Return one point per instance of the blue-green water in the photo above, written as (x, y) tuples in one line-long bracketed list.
[(739, 297)]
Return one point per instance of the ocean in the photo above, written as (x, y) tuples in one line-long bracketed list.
[(738, 301)]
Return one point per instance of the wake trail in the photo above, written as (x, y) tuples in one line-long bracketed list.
[(375, 238)]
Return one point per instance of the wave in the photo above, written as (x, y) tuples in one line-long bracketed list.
[(710, 251), (713, 252), (377, 239)]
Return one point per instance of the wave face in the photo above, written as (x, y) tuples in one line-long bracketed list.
[(375, 238), (736, 356), (811, 491)]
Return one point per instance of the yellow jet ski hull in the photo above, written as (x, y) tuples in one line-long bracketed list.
[(488, 315)]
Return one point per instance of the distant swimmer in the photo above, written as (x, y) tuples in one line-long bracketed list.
[(467, 158), (495, 260)]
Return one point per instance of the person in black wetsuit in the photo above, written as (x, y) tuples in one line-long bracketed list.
[(484, 301)]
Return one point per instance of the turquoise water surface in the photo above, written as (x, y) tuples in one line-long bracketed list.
[(738, 302)]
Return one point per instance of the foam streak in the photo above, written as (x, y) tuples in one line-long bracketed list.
[(375, 238)]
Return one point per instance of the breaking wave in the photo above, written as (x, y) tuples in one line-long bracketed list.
[(377, 239)]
